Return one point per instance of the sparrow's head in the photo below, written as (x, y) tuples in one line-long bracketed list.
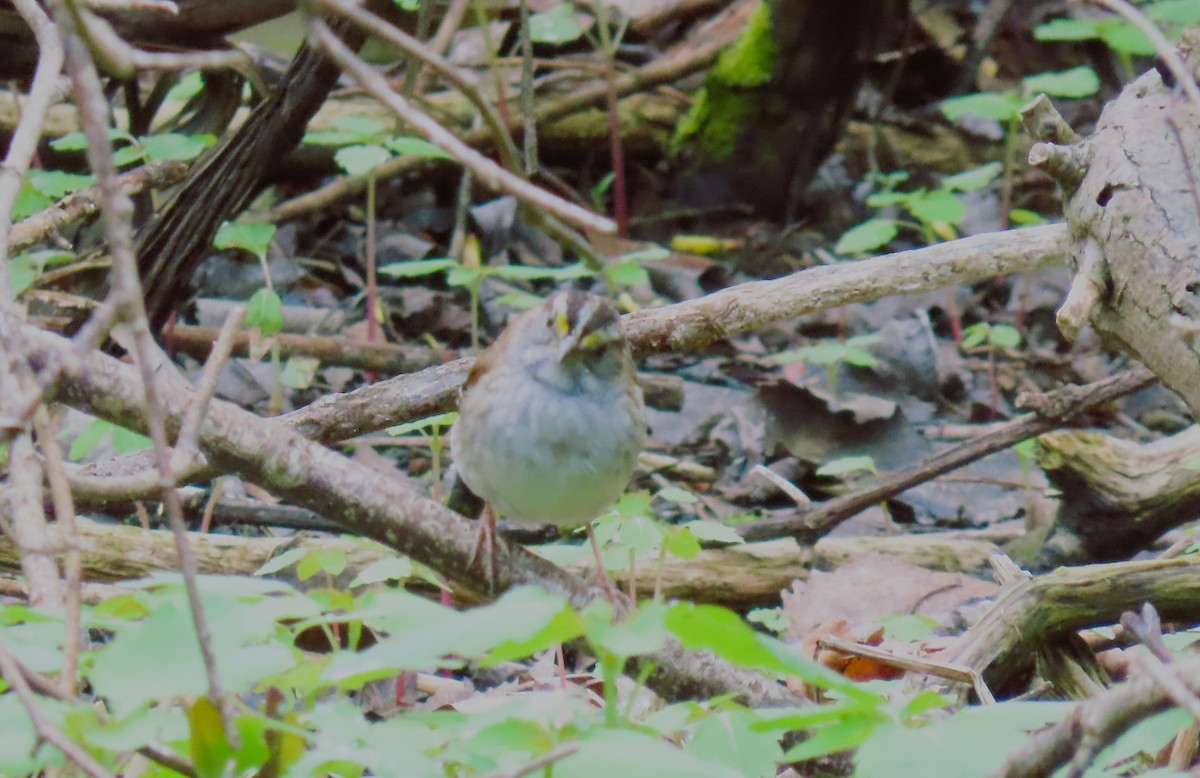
[(584, 324), (579, 341)]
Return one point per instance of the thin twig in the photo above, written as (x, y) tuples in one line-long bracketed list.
[(689, 57), (434, 59), (487, 172), (64, 516), (126, 295), (206, 388), (809, 525)]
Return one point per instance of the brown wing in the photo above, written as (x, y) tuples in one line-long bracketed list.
[(483, 363)]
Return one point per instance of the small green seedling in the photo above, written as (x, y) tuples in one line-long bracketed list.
[(1120, 35), (994, 336), (437, 425), (625, 270), (936, 213)]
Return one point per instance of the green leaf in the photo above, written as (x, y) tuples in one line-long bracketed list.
[(1023, 217), (321, 560), (1178, 12), (348, 131), (265, 311), (1005, 336), (158, 658), (834, 739), (845, 465), (87, 440), (866, 237), (640, 634), (55, 183), (358, 160), (29, 201), (209, 749), (389, 568), (299, 372), (186, 88), (975, 335), (35, 643), (680, 542), (1126, 39), (253, 237), (524, 619), (769, 618), (72, 141), (142, 727), (1001, 106), (531, 273), (281, 561), (416, 268), (725, 634), (1077, 82), (467, 276), (21, 752), (627, 273), (1026, 450), (416, 147), (927, 700), (677, 494), (907, 627), (604, 753), (558, 25), (128, 155), (860, 358), (1147, 737), (21, 273), (975, 178), (1067, 30), (972, 743), (600, 190), (173, 145), (647, 254), (522, 301), (728, 737), (127, 441), (435, 422), (936, 206), (714, 532)]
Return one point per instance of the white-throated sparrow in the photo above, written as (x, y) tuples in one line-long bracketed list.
[(551, 418)]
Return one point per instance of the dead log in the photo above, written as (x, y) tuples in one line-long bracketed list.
[(1118, 497), (1133, 211), (1002, 645), (741, 576)]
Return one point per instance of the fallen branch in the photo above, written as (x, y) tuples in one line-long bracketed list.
[(740, 576), (1001, 646), (683, 327)]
